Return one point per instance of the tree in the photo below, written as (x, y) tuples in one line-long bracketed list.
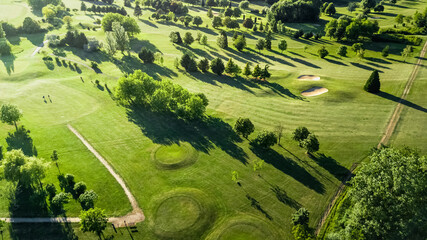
[(146, 55), (12, 165), (197, 20), (51, 190), (83, 7), (265, 139), (30, 26), (260, 44), (188, 63), (330, 9), (57, 203), (111, 44), (257, 71), (311, 144), (342, 51), (300, 217), (379, 8), (352, 6), (122, 39), (68, 20), (217, 66), (268, 39), (248, 23), (210, 14), (188, 38), (216, 22), (237, 12), (385, 51), (322, 52), (283, 45), (204, 40), (247, 70), (2, 32), (203, 65), (54, 157), (222, 40), (228, 12), (300, 134), (407, 51), (357, 47), (386, 200), (373, 84), (137, 12), (279, 132), (296, 11), (175, 37), (232, 68), (79, 188), (265, 73), (240, 42), (93, 220), (10, 114), (244, 5), (87, 199), (366, 4)]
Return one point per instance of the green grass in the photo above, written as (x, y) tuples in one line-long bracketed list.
[(174, 156), (347, 121)]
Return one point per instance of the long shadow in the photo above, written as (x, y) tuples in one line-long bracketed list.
[(289, 167), (283, 197), (137, 44), (204, 135), (377, 60), (335, 62), (146, 22), (9, 63), (20, 139), (236, 82), (377, 65), (128, 64), (365, 67), (280, 90), (302, 61), (257, 206), (402, 101), (42, 231), (331, 165)]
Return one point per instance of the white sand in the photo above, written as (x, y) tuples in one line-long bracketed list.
[(309, 77), (314, 91)]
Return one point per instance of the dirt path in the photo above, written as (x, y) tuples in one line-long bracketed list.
[(136, 215), (133, 217), (391, 126), (39, 47)]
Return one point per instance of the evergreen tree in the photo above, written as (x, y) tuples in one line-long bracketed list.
[(260, 44), (188, 63), (373, 84), (146, 55), (232, 68), (247, 70), (257, 71), (265, 73), (222, 40), (342, 51), (385, 51), (240, 42), (268, 39), (322, 52), (203, 65), (210, 14), (330, 10), (261, 27), (255, 28), (83, 7), (188, 38), (217, 66), (2, 33), (137, 11), (283, 45)]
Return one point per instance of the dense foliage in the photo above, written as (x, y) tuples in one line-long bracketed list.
[(140, 90), (387, 199), (296, 10), (373, 84), (351, 28)]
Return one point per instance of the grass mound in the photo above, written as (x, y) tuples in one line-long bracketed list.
[(182, 214), (174, 156), (245, 227)]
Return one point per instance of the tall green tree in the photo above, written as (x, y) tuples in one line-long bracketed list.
[(373, 84), (217, 66), (222, 40), (247, 70), (311, 143), (121, 36), (137, 12), (283, 45)]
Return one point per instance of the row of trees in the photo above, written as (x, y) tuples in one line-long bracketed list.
[(128, 23), (5, 48), (139, 89), (351, 28), (103, 9), (29, 26), (39, 4)]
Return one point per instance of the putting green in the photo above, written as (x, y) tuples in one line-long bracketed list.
[(174, 156), (244, 228), (182, 214)]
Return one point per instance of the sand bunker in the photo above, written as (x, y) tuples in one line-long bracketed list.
[(309, 77), (314, 91)]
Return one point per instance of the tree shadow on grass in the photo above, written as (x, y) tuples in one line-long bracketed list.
[(304, 62), (289, 167), (257, 206), (128, 64), (365, 67), (279, 89), (236, 82), (283, 197), (331, 165), (335, 62), (148, 23), (9, 63), (402, 101), (137, 44), (42, 231), (204, 135), (20, 139), (28, 202)]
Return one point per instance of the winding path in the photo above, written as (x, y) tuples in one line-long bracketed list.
[(133, 217), (391, 126)]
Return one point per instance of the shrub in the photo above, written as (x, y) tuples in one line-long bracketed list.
[(146, 55), (79, 188), (203, 65), (240, 42), (342, 51), (87, 199), (217, 66), (322, 52), (244, 126), (265, 139), (188, 63), (373, 84)]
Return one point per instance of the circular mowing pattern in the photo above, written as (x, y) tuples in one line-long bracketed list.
[(245, 228), (174, 156), (182, 214)]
